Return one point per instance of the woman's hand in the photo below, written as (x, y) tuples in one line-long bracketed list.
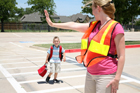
[(115, 85), (48, 18)]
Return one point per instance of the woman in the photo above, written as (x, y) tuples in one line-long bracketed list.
[(102, 40)]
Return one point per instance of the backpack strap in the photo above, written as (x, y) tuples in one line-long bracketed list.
[(60, 52), (113, 56), (51, 52)]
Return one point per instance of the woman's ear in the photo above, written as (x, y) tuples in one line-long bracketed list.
[(99, 8)]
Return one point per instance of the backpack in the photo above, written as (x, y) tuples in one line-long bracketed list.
[(60, 52)]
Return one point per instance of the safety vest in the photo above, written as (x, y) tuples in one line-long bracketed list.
[(98, 48), (60, 52)]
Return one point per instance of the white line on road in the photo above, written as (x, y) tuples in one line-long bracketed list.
[(63, 88), (30, 81), (12, 81), (63, 70), (21, 62), (125, 81), (16, 35), (22, 58), (21, 67), (131, 79), (16, 44), (39, 66), (58, 89)]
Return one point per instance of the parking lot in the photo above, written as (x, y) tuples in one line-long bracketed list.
[(19, 64)]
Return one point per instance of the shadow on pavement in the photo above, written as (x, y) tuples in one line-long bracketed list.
[(50, 82)]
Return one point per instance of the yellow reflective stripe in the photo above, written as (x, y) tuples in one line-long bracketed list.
[(94, 22), (98, 48), (84, 43), (105, 33)]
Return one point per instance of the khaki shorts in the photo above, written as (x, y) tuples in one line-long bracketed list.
[(55, 67), (98, 83)]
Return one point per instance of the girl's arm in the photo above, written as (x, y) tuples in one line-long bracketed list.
[(46, 62), (81, 27), (64, 57)]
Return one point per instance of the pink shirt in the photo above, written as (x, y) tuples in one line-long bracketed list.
[(108, 65)]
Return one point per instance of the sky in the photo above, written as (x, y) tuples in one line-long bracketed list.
[(63, 7)]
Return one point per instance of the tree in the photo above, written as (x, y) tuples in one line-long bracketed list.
[(28, 11), (40, 5), (137, 23), (7, 9), (126, 10), (20, 12)]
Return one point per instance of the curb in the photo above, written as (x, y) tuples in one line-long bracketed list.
[(132, 46), (79, 50)]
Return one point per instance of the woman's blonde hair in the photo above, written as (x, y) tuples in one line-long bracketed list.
[(107, 6)]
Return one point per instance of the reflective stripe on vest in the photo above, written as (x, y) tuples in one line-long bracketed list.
[(99, 45), (100, 48), (84, 42)]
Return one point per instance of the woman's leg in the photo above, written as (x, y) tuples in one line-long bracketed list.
[(102, 81), (90, 84)]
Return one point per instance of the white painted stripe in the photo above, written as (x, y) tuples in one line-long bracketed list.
[(62, 89), (40, 50), (16, 44), (22, 67), (58, 89), (63, 70), (22, 58), (131, 79), (31, 81), (12, 81), (39, 66), (16, 35), (125, 81), (22, 62), (74, 60)]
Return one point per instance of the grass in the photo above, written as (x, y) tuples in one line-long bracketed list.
[(65, 45), (78, 45), (132, 42)]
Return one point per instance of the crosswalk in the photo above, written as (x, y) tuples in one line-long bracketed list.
[(21, 72)]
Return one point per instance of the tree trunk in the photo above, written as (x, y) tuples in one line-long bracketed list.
[(48, 28), (2, 25), (132, 21)]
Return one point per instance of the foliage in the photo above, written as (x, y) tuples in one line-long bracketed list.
[(28, 11), (125, 10), (7, 9), (40, 5), (137, 23)]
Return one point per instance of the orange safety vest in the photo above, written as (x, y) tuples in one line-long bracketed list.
[(98, 48)]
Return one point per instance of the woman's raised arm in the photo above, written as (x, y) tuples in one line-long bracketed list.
[(81, 27)]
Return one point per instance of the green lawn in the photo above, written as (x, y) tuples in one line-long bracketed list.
[(78, 45), (65, 45)]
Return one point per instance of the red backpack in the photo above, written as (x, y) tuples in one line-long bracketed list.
[(60, 52)]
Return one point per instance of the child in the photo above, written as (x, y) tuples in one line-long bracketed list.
[(55, 57)]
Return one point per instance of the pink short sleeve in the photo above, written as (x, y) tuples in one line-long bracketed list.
[(118, 30)]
